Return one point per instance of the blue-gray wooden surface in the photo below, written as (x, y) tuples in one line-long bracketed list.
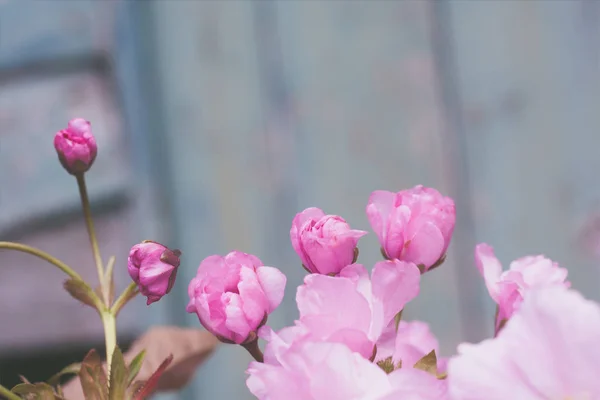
[(241, 113)]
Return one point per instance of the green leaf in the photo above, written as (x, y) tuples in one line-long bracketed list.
[(152, 382), (42, 391), (118, 376), (134, 366), (81, 291), (93, 378), (69, 369), (428, 363)]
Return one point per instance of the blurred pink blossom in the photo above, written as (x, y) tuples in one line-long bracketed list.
[(309, 370), (508, 288), (547, 350), (352, 309), (409, 344)]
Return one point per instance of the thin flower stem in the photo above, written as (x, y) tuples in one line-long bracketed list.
[(127, 295), (254, 350), (8, 394), (110, 336), (85, 202), (43, 255)]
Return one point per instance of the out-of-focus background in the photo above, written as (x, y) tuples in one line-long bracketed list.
[(217, 121)]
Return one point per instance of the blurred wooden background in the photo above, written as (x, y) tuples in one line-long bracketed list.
[(217, 121)]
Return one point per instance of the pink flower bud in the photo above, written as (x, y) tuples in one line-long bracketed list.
[(76, 146), (233, 295), (413, 225), (324, 243), (154, 268)]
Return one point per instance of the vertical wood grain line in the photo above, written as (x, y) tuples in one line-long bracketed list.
[(454, 144)]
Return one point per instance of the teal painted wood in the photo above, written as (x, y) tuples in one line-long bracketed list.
[(215, 119), (266, 117), (33, 30), (367, 117), (528, 78)]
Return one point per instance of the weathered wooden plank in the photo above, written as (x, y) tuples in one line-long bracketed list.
[(366, 115), (528, 79), (215, 121), (33, 31)]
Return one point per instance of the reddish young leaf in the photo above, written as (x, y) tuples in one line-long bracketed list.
[(189, 347), (152, 382), (93, 377)]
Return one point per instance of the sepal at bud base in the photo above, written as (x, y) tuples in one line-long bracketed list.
[(388, 365), (429, 364), (81, 291)]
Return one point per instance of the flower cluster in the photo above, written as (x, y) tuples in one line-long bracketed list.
[(349, 341)]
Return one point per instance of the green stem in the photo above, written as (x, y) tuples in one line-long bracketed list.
[(127, 295), (87, 213), (110, 336), (43, 255), (8, 394)]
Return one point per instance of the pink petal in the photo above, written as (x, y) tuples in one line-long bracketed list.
[(414, 384), (354, 339), (396, 234), (547, 350), (238, 257), (427, 244), (358, 274), (336, 373), (273, 282), (335, 301), (235, 318), (310, 214), (254, 300), (489, 267), (395, 283), (380, 206), (417, 335), (273, 382)]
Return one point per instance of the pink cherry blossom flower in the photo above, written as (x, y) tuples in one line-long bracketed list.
[(409, 344), (353, 309), (76, 146), (508, 288), (233, 295), (547, 350), (413, 225), (324, 243), (153, 267), (309, 370)]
